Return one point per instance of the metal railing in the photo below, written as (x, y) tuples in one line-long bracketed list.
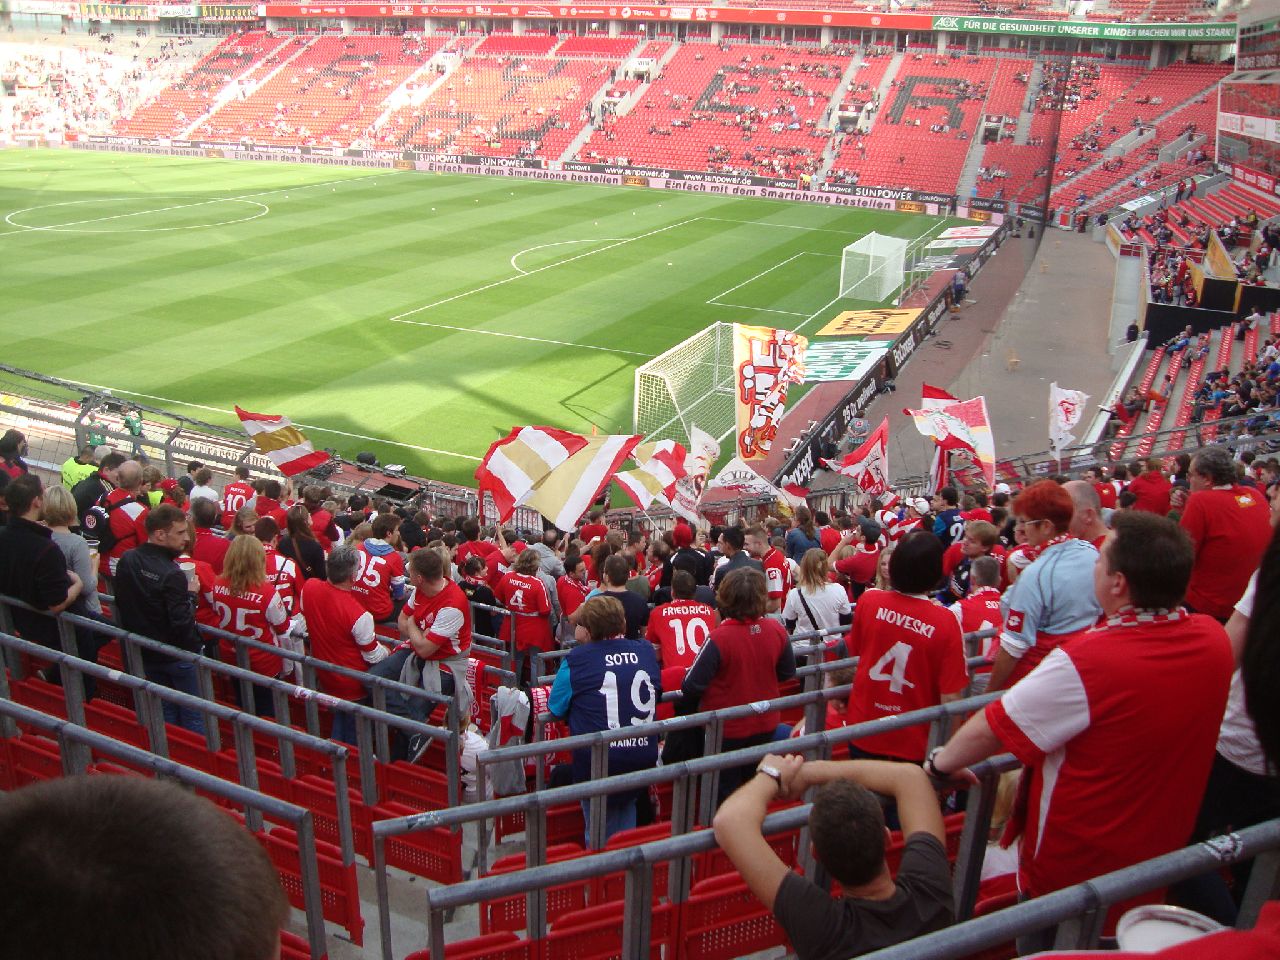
[(75, 743), (372, 725), (1080, 912), (683, 776), (148, 695)]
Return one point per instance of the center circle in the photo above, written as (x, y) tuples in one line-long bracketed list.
[(89, 219)]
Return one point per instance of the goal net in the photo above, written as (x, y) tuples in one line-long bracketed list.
[(692, 383), (873, 267)]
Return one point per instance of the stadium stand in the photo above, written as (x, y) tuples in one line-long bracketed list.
[(731, 108)]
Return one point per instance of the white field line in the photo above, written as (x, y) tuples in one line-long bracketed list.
[(738, 306), (762, 273), (519, 336), (181, 206), (558, 263), (304, 426), (780, 226), (542, 246)]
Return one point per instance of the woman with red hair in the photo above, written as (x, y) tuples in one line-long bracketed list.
[(1052, 600)]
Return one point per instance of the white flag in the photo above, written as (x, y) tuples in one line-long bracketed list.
[(736, 475), (703, 452), (1066, 409)]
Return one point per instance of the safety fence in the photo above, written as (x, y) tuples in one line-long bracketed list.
[(690, 783), (77, 745)]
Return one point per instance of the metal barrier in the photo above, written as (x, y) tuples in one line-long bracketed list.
[(243, 725), (682, 776), (365, 717), (1079, 912), (70, 736)]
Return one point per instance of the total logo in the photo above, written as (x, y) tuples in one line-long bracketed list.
[(781, 16), (626, 11), (826, 18), (875, 21)]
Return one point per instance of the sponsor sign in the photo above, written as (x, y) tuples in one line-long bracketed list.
[(45, 7), (228, 11), (987, 203), (870, 323), (842, 359), (953, 243), (967, 233), (1255, 178), (1086, 30), (633, 181), (910, 206)]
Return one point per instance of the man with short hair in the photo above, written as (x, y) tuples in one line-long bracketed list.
[(282, 571), (127, 508), (1151, 487), (980, 609), (613, 583), (78, 466), (32, 568), (679, 629), (98, 484), (1113, 725), (131, 868), (188, 481), (268, 504), (548, 551), (861, 567), (594, 529), (777, 573), (156, 599), (203, 486), (1230, 526), (341, 632), (948, 525), (380, 584), (1086, 517), (732, 545), (849, 837), (236, 494)]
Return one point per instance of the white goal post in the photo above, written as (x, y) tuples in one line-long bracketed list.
[(692, 383), (873, 267)]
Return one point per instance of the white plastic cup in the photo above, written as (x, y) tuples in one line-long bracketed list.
[(189, 568)]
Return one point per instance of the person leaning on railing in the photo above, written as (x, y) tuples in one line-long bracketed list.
[(848, 832)]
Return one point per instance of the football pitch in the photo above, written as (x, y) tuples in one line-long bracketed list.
[(413, 315)]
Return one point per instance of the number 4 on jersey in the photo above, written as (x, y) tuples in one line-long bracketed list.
[(897, 656)]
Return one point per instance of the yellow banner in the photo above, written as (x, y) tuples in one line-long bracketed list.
[(869, 323), (765, 361)]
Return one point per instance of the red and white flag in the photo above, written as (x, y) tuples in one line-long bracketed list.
[(961, 426), (868, 466), (518, 462), (282, 442), (933, 397), (660, 465)]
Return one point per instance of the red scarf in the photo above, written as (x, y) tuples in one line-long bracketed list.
[(1035, 552), (1136, 616)]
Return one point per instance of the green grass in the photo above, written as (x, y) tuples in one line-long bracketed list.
[(195, 285)]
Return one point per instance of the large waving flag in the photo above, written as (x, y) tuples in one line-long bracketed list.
[(564, 495), (963, 425), (868, 466), (704, 451), (520, 461), (1066, 408), (660, 465), (279, 439), (933, 397)]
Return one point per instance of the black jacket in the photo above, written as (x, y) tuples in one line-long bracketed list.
[(152, 599)]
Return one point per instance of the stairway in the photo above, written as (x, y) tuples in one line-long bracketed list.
[(1023, 131)]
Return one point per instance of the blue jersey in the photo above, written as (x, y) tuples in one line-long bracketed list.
[(606, 685)]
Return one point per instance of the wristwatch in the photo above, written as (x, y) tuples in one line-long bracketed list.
[(931, 768), (771, 771)]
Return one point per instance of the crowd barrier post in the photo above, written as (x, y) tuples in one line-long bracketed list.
[(74, 669), (299, 818)]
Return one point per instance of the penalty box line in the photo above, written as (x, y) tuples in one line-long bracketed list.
[(717, 302)]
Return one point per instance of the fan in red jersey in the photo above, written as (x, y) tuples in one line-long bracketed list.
[(248, 606), (911, 651), (528, 625), (236, 494), (679, 628)]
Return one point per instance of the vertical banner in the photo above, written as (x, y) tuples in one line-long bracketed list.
[(765, 361), (1066, 407)]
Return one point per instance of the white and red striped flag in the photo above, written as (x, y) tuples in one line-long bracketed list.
[(659, 466), (517, 463), (282, 442), (868, 466)]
